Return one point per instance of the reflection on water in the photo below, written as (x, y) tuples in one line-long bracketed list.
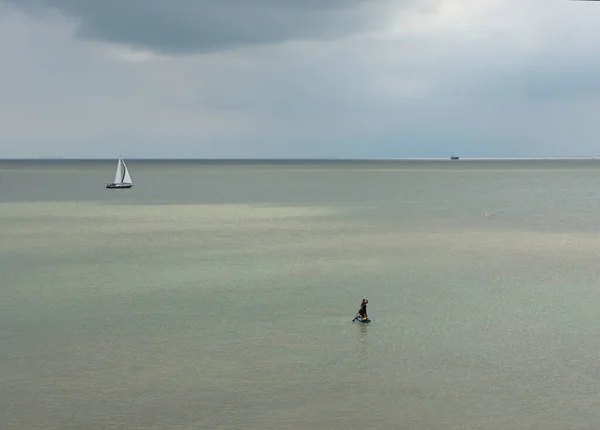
[(363, 340), (364, 329)]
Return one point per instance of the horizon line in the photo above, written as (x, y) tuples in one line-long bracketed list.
[(60, 158), (540, 157)]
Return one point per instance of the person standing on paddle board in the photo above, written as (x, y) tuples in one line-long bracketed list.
[(363, 308)]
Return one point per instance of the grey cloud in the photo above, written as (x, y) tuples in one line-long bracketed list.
[(184, 26), (562, 81), (484, 96), (551, 78)]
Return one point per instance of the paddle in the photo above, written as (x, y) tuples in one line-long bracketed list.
[(356, 316)]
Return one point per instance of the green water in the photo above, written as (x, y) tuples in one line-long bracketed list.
[(220, 295)]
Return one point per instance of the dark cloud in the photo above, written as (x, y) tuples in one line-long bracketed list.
[(484, 82), (185, 26)]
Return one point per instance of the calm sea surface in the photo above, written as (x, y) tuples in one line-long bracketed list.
[(220, 295)]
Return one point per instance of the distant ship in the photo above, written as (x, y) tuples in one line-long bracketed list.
[(454, 157)]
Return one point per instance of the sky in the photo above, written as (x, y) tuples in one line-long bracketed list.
[(299, 78)]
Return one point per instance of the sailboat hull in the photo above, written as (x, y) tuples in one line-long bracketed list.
[(119, 186)]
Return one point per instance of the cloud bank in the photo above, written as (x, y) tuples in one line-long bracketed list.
[(193, 26), (278, 79)]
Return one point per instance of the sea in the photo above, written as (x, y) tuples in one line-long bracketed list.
[(221, 295)]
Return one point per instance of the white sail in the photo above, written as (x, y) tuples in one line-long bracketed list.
[(119, 174), (126, 177)]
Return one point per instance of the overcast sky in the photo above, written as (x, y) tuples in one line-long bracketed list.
[(299, 78)]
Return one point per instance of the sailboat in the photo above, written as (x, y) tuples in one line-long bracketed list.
[(122, 178)]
